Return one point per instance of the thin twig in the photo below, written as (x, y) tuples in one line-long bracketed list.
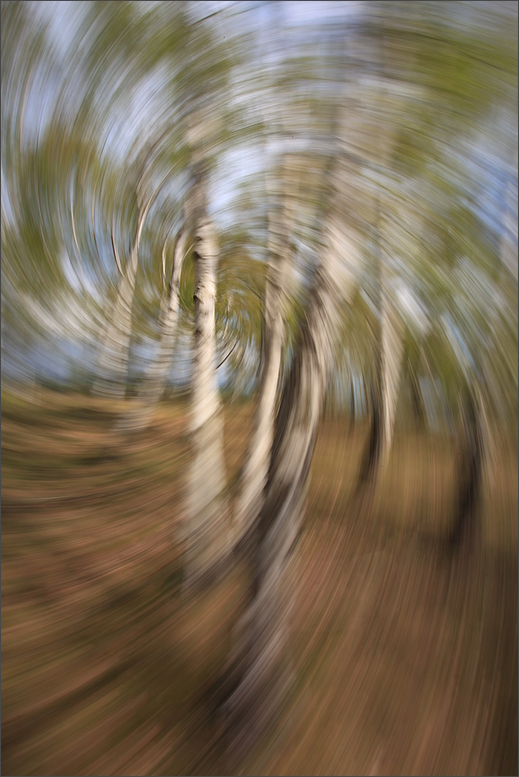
[(224, 360), (116, 255)]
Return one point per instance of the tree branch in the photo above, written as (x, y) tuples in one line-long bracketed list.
[(230, 352), (116, 255)]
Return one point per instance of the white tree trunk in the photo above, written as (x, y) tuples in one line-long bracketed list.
[(392, 355), (258, 677), (255, 472), (253, 476), (113, 362), (207, 530), (142, 412), (384, 392)]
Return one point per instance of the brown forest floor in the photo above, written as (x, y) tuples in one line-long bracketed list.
[(405, 660)]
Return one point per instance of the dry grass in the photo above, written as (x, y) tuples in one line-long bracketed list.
[(405, 660)]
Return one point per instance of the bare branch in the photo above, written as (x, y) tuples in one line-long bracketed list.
[(74, 227), (116, 255), (93, 221), (230, 352), (164, 266), (143, 212), (24, 103)]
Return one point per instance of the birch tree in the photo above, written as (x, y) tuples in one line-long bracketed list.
[(143, 408), (113, 360), (255, 471), (385, 385), (207, 530), (420, 147), (258, 677), (281, 202)]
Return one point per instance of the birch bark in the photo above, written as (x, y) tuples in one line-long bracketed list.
[(255, 471), (258, 676), (385, 388), (207, 530), (142, 413), (113, 362)]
